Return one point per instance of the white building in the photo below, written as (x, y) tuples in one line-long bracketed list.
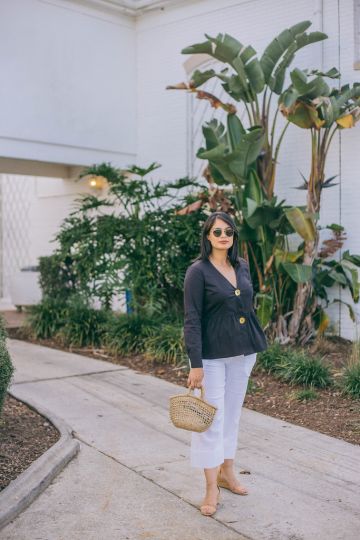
[(83, 81)]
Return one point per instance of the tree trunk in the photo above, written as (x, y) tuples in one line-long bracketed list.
[(305, 290)]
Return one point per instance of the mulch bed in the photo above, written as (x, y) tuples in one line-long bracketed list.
[(25, 435)]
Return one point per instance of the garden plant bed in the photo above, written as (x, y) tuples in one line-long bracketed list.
[(331, 413), (24, 436)]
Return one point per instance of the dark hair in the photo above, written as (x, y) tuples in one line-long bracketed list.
[(205, 247)]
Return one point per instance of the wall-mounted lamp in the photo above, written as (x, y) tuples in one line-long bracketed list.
[(97, 182)]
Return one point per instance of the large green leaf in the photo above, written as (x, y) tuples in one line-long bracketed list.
[(278, 46), (349, 306), (304, 115), (338, 277), (262, 215), (225, 47), (289, 97), (219, 178), (352, 278), (234, 88), (309, 89), (239, 67), (276, 81), (198, 48), (216, 154), (253, 188), (330, 109), (286, 256), (234, 164), (251, 206), (246, 152), (219, 168), (300, 273), (235, 130), (301, 222), (355, 259), (214, 133), (311, 103), (200, 77), (249, 77), (247, 234), (255, 75), (264, 308)]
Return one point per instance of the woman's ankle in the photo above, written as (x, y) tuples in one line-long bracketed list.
[(227, 465), (211, 485)]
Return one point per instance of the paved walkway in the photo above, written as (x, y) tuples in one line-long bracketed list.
[(132, 479)]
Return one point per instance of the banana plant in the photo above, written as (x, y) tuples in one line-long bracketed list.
[(286, 277), (230, 152), (252, 81), (311, 104), (327, 273), (263, 224)]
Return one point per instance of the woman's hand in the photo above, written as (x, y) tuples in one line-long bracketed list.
[(195, 377)]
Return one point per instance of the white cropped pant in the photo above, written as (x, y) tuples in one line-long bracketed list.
[(225, 382)]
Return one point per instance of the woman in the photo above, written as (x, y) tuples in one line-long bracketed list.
[(222, 336)]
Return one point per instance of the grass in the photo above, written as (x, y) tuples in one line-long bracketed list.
[(127, 333), (166, 344), (350, 381), (306, 370), (46, 319), (306, 394), (272, 359), (294, 366)]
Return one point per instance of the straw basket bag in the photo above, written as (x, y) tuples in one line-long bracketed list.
[(191, 412)]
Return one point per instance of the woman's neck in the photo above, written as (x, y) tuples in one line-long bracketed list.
[(219, 257)]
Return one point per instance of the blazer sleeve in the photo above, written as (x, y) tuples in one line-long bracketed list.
[(247, 271), (193, 308), (246, 264)]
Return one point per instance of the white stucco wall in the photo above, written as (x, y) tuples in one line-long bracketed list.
[(68, 83)]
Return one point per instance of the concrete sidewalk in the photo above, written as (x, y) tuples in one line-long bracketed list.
[(132, 477)]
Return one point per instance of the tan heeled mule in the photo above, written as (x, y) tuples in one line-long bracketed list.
[(224, 484), (210, 509)]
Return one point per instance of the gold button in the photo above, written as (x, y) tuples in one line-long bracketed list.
[(242, 320), (237, 292)]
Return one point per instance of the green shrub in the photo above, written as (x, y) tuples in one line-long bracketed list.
[(350, 381), (56, 277), (166, 344), (3, 332), (306, 394), (140, 244), (83, 325), (294, 367), (126, 333), (46, 318), (6, 366), (306, 370), (272, 359)]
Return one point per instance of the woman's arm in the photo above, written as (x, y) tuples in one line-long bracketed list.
[(247, 272), (193, 306)]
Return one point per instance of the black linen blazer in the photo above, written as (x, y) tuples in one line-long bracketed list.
[(219, 319)]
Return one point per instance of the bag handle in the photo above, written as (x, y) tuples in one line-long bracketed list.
[(201, 389)]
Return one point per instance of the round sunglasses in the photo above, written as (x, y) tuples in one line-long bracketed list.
[(217, 232)]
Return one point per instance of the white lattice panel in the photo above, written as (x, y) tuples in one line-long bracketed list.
[(17, 194)]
